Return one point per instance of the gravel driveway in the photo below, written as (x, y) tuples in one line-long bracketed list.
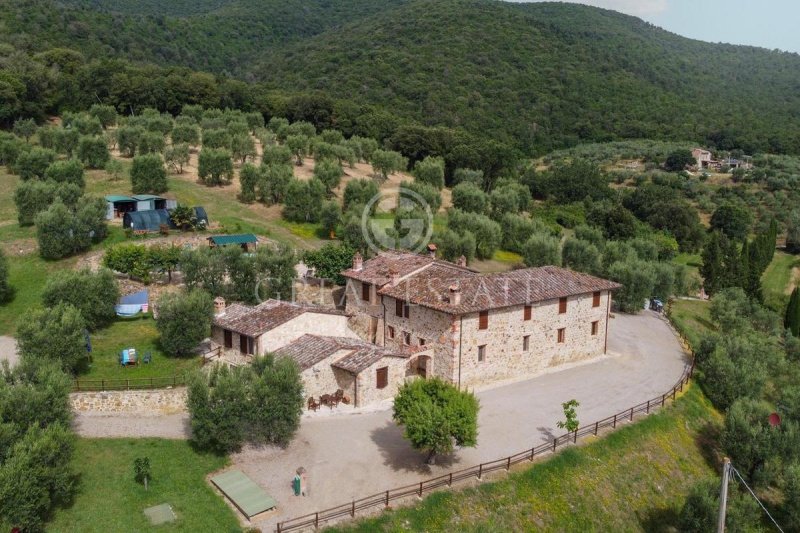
[(354, 455)]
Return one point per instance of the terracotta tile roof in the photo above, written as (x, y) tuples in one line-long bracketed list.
[(255, 321), (376, 270), (357, 355), (430, 287)]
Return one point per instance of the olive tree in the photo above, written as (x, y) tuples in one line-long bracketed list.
[(184, 320), (329, 172), (69, 171), (93, 294), (93, 151), (215, 166), (386, 162), (53, 334), (430, 170), (436, 416), (148, 175), (541, 249), (33, 163)]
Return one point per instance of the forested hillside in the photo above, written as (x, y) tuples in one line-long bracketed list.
[(534, 77)]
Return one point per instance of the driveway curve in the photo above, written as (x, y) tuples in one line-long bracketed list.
[(352, 456)]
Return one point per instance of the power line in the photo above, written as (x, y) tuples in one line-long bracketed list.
[(755, 497)]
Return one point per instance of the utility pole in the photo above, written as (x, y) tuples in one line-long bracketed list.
[(723, 495)]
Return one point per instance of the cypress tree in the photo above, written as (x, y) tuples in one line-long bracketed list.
[(792, 319), (712, 264)]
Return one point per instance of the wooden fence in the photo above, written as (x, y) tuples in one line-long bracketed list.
[(88, 385), (505, 463)]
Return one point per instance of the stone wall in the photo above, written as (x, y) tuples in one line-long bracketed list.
[(368, 391), (322, 378), (504, 356), (159, 401)]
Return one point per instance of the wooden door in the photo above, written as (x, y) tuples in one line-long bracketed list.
[(228, 339), (243, 344)]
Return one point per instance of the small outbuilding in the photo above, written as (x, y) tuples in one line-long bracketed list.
[(150, 221), (247, 241), (148, 202), (118, 205)]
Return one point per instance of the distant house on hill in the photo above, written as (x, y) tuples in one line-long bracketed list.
[(703, 157), (705, 160)]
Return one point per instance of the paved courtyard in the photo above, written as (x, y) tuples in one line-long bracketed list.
[(355, 455)]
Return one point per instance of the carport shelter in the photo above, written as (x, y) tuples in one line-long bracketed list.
[(147, 202), (118, 205), (242, 491), (247, 241)]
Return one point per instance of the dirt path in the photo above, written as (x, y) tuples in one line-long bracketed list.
[(101, 425), (8, 350)]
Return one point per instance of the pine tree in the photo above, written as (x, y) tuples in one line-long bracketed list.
[(792, 319)]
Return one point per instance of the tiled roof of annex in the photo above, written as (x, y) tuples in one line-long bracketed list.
[(257, 320), (430, 285), (357, 355)]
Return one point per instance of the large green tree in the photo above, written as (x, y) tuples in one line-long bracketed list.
[(215, 166), (53, 334), (94, 294), (436, 416), (148, 175), (184, 320)]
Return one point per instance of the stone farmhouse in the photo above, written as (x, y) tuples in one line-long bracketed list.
[(330, 355), (472, 329)]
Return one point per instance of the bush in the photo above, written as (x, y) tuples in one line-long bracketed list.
[(678, 160), (359, 192), (638, 279), (328, 172), (93, 294), (436, 416), (734, 367), (699, 512), (330, 261), (453, 245), (488, 233), (429, 194), (148, 175), (215, 167), (105, 114), (541, 249), (274, 182), (184, 320), (749, 439), (303, 202), (54, 334), (429, 171), (93, 151), (260, 404), (470, 198), (581, 255), (33, 163), (70, 171)]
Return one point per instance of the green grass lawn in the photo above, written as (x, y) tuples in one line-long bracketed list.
[(634, 479), (109, 499), (139, 333), (776, 279), (28, 275), (692, 318)]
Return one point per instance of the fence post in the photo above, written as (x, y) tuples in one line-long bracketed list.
[(316, 520), (127, 384), (631, 414), (575, 437), (555, 443), (508, 463), (673, 395), (663, 398), (596, 427), (173, 380), (420, 489), (387, 498), (279, 527), (450, 482), (681, 385), (151, 382), (78, 385), (103, 384), (648, 407), (480, 470), (533, 452), (615, 422)]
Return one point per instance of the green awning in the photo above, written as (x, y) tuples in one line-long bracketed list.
[(248, 497), (144, 197), (113, 198), (244, 238)]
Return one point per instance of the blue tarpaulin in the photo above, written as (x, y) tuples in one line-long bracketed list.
[(132, 304)]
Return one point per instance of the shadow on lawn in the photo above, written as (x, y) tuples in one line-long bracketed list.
[(400, 456)]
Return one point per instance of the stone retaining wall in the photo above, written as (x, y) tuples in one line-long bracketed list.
[(160, 401)]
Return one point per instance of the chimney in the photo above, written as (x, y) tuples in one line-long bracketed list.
[(432, 250), (462, 261), (358, 262), (219, 306), (394, 278), (455, 294)]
